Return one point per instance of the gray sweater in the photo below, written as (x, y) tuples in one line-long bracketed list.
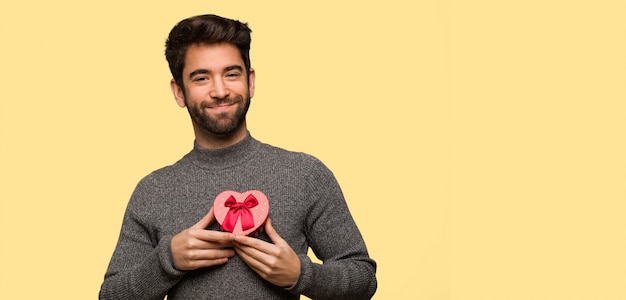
[(307, 210)]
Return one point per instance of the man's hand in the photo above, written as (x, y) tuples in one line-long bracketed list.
[(276, 263), (196, 247)]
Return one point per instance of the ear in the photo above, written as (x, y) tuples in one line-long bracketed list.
[(178, 93), (251, 77)]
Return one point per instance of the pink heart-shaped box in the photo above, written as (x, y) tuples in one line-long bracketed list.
[(256, 211)]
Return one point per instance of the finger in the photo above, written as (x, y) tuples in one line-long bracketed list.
[(272, 234), (213, 239), (253, 258), (253, 248), (207, 263), (211, 254), (206, 220), (200, 259), (243, 241)]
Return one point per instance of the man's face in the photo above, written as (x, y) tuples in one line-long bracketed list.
[(217, 89)]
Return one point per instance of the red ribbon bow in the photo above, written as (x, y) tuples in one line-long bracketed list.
[(239, 210)]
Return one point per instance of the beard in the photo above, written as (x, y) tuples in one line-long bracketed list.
[(222, 123)]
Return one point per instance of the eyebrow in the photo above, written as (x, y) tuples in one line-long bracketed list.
[(205, 71)]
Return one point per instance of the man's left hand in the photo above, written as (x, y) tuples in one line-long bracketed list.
[(276, 263)]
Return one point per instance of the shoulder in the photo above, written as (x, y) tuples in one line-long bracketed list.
[(164, 177), (301, 164), (282, 155)]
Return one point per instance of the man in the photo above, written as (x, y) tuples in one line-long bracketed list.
[(170, 243)]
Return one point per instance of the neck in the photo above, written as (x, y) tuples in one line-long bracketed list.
[(219, 159), (208, 140)]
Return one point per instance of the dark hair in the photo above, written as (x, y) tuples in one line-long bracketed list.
[(205, 29)]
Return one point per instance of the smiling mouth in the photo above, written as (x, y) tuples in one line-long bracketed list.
[(221, 107), (222, 104)]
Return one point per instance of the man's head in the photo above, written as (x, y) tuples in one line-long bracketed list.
[(205, 29), (209, 60)]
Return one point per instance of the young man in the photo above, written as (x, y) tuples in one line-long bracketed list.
[(169, 243)]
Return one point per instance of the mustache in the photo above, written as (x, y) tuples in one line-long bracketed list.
[(222, 101)]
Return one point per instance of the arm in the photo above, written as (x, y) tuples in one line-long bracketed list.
[(143, 267), (139, 269), (347, 271)]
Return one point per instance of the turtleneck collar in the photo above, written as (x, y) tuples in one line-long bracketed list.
[(225, 157)]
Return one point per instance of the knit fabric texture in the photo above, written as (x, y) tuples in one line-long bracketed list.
[(307, 209)]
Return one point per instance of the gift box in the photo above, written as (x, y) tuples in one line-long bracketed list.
[(241, 213)]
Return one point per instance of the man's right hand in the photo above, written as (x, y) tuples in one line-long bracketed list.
[(196, 247)]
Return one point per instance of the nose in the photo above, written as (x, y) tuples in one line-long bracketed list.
[(220, 89)]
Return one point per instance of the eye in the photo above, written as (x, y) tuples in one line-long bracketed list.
[(233, 75)]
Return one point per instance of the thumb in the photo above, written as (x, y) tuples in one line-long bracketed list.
[(272, 234), (205, 221)]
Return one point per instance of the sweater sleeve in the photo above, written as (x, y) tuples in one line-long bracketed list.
[(142, 266), (347, 271)]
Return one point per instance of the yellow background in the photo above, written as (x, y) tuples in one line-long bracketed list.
[(480, 144)]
